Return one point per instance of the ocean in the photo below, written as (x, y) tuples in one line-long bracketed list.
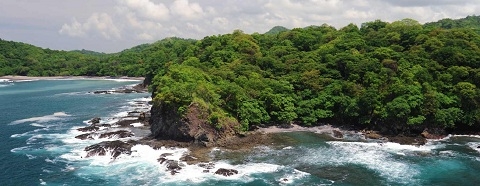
[(38, 147)]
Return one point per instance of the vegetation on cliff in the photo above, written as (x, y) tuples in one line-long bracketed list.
[(395, 77)]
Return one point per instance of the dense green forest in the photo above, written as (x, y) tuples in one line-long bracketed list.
[(23, 59), (396, 77)]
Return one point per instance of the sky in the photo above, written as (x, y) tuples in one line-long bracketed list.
[(114, 25)]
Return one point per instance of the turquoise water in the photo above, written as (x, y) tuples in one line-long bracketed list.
[(38, 147)]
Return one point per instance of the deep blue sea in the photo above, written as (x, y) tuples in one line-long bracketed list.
[(38, 147)]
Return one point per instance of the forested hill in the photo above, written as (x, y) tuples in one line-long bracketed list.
[(396, 77), (399, 76), (472, 22), (18, 58)]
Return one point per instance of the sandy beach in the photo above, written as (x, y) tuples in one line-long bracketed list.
[(32, 78)]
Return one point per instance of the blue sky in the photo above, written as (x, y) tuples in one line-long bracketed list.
[(114, 25)]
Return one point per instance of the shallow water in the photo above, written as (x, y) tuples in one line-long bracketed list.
[(38, 147)]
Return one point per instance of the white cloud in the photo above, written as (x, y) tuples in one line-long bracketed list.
[(187, 10), (356, 14), (194, 27), (100, 23), (145, 36), (74, 29), (126, 23), (146, 9), (220, 21)]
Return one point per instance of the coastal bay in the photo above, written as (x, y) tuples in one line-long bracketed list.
[(42, 127)]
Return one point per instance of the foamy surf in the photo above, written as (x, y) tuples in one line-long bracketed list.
[(42, 119), (144, 161)]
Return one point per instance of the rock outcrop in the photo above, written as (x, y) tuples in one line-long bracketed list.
[(167, 124), (115, 147), (226, 172), (124, 90)]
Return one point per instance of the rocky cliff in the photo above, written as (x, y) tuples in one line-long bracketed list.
[(193, 126)]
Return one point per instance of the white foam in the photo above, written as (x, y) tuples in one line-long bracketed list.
[(21, 149), (27, 80), (42, 182), (474, 146), (69, 168), (48, 160), (291, 177), (374, 156), (70, 94), (42, 119), (137, 124), (121, 114), (20, 135), (143, 162), (472, 136), (144, 99), (30, 156), (34, 138), (37, 125), (396, 147)]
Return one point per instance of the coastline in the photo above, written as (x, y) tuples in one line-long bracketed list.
[(268, 153), (34, 78)]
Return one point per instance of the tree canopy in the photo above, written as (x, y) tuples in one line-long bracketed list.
[(394, 76)]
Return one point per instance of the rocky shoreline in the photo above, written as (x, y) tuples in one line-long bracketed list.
[(118, 133)]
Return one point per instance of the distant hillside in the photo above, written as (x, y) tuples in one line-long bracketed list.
[(276, 30), (467, 22), (18, 58), (89, 52)]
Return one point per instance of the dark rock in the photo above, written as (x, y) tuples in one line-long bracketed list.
[(91, 128), (144, 116), (166, 154), (125, 90), (116, 147), (119, 134), (428, 135), (407, 140), (173, 166), (103, 92), (372, 135), (188, 158), (161, 160), (133, 114), (206, 171), (94, 121), (478, 147), (140, 88), (127, 122), (106, 125), (285, 126), (167, 124), (226, 172), (85, 136), (207, 165), (337, 134)]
